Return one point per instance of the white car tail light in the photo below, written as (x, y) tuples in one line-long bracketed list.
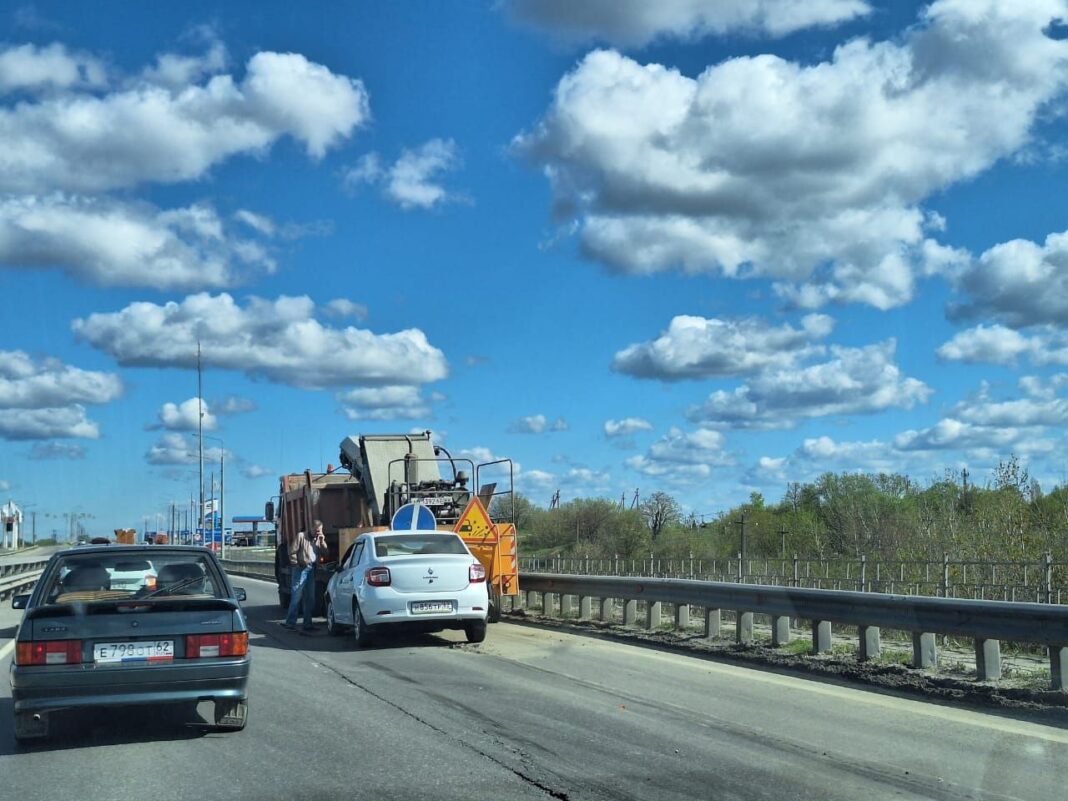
[(378, 577), (476, 573)]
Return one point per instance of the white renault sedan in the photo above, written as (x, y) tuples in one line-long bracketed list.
[(407, 580)]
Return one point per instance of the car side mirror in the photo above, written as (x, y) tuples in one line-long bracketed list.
[(20, 601), (268, 511), (239, 593)]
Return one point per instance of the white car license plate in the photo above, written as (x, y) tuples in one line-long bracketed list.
[(431, 607), (140, 651)]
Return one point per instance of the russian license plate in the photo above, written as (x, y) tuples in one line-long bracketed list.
[(431, 607), (140, 651)]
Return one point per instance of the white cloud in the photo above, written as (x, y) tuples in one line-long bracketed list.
[(1019, 282), (997, 344), (29, 384), (537, 481), (233, 404), (4, 485), (626, 426), (184, 416), (176, 449), (639, 22), (679, 455), (697, 348), (254, 471), (384, 403), (47, 451), (44, 423), (855, 381), (413, 181), (811, 175), (343, 307), (176, 71), (257, 222), (82, 142), (951, 434), (279, 340), (31, 68), (125, 244), (537, 424)]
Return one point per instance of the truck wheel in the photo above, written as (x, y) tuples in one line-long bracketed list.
[(231, 715), (494, 615), (475, 630), (360, 630)]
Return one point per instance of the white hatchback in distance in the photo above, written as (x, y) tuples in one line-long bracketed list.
[(407, 581)]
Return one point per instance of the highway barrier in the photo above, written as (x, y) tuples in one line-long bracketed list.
[(253, 568), (988, 623), (19, 576)]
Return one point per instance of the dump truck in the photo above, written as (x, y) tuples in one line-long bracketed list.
[(380, 473), (125, 536)]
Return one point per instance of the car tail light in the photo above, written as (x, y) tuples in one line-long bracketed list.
[(206, 646), (49, 652), (476, 573), (379, 577)]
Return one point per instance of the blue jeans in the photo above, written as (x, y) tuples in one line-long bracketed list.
[(301, 593)]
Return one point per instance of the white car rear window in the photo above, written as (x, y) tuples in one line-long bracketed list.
[(418, 544)]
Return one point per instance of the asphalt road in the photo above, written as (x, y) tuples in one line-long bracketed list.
[(533, 713)]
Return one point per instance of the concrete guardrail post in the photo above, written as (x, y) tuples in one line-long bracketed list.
[(821, 636), (653, 615), (780, 630), (1058, 666), (682, 616), (924, 649), (988, 659), (743, 627), (712, 623), (870, 643), (565, 605), (630, 613), (585, 607), (532, 599), (547, 604), (608, 609)]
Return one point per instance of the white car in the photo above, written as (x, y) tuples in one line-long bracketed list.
[(407, 580)]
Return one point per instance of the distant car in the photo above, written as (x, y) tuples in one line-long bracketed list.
[(130, 624), (407, 580)]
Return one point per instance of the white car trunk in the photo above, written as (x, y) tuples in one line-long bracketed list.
[(428, 574)]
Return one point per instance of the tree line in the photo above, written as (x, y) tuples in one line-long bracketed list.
[(840, 515)]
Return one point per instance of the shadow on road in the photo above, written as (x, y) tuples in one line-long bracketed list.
[(73, 729)]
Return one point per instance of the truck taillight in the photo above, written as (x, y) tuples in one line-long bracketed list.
[(206, 646), (476, 573), (49, 652), (379, 577)]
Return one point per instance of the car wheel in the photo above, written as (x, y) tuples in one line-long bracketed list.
[(231, 715), (360, 631), (333, 628), (475, 630)]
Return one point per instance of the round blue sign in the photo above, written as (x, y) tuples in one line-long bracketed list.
[(413, 517)]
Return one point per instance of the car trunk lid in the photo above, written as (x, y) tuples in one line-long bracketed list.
[(428, 574)]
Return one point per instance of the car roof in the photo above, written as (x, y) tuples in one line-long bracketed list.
[(134, 549)]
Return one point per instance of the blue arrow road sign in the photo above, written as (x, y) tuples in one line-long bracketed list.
[(413, 517)]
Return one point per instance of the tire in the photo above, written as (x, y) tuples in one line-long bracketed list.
[(494, 615), (231, 715), (361, 632), (475, 630), (333, 628)]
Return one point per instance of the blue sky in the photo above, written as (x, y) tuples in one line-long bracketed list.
[(701, 248)]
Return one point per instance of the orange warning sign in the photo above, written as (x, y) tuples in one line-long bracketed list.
[(475, 525)]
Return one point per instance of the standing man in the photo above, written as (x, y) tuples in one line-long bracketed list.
[(303, 554)]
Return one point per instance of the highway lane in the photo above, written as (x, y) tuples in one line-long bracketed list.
[(542, 714)]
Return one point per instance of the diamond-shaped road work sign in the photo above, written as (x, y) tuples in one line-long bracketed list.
[(475, 525)]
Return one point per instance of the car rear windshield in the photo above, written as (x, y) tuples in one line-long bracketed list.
[(418, 544), (88, 577)]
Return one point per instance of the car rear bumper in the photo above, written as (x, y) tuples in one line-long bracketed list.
[(386, 606), (50, 688)]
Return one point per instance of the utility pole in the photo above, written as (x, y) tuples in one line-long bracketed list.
[(745, 541), (635, 500), (222, 502), (782, 533), (200, 430)]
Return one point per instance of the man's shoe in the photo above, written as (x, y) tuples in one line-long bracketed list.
[(290, 626)]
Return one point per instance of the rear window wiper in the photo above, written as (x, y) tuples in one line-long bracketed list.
[(172, 588)]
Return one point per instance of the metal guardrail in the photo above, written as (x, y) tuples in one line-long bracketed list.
[(249, 567), (15, 576), (987, 622)]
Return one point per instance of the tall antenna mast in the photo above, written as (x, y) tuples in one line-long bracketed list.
[(200, 431)]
